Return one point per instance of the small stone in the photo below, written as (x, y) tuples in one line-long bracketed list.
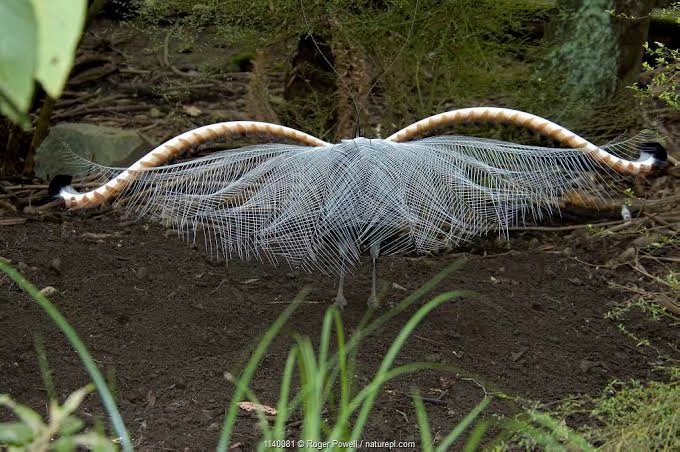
[(48, 291), (626, 256), (141, 272), (517, 356), (586, 365), (575, 281), (55, 264), (645, 241)]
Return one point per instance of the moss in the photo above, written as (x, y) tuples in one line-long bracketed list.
[(668, 16), (461, 52), (585, 56)]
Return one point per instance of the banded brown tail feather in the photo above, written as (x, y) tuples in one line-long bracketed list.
[(173, 148), (650, 160)]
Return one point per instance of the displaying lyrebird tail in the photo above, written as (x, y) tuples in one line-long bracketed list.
[(318, 205)]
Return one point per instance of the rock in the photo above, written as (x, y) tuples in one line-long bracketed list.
[(587, 365), (55, 264), (48, 291), (645, 241), (107, 146)]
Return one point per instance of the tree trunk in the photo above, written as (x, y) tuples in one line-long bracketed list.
[(631, 22)]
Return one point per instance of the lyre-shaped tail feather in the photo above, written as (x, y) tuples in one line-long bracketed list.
[(648, 162), (176, 146)]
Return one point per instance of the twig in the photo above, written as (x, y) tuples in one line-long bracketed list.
[(644, 272), (434, 400), (43, 207), (567, 228), (617, 228), (661, 221), (115, 108), (661, 259), (46, 186), (12, 221), (79, 99), (166, 62), (486, 394)]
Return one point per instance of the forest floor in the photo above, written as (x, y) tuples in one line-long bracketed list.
[(168, 321)]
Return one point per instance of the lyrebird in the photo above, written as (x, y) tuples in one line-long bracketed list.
[(318, 205)]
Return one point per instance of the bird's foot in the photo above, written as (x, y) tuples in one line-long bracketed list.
[(340, 301), (373, 301)]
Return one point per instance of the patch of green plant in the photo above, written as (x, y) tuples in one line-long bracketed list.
[(460, 52), (664, 71), (664, 84), (331, 409), (653, 311), (536, 429), (62, 432), (80, 348), (627, 416), (636, 416)]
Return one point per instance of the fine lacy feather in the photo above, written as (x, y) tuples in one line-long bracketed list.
[(319, 208)]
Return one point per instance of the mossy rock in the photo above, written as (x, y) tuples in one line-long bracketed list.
[(106, 146)]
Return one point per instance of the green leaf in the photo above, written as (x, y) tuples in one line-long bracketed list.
[(18, 48), (74, 400), (95, 442), (15, 433), (67, 444), (60, 23), (70, 426), (29, 417)]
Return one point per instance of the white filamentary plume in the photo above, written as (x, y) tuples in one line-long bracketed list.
[(318, 206)]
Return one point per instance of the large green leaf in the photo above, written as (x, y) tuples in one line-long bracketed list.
[(18, 50), (60, 23)]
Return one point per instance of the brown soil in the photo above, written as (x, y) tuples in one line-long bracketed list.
[(169, 322)]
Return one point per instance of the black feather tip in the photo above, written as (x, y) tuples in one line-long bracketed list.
[(655, 150), (57, 183)]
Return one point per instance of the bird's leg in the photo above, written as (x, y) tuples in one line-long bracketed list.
[(375, 252), (340, 300)]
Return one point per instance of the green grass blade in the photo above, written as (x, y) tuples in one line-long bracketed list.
[(368, 390), (364, 331), (345, 378), (79, 346), (44, 366), (243, 382), (475, 437), (448, 441), (326, 336), (561, 431), (284, 394), (423, 423), (311, 392), (395, 348)]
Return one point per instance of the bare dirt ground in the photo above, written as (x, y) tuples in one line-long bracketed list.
[(168, 322)]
